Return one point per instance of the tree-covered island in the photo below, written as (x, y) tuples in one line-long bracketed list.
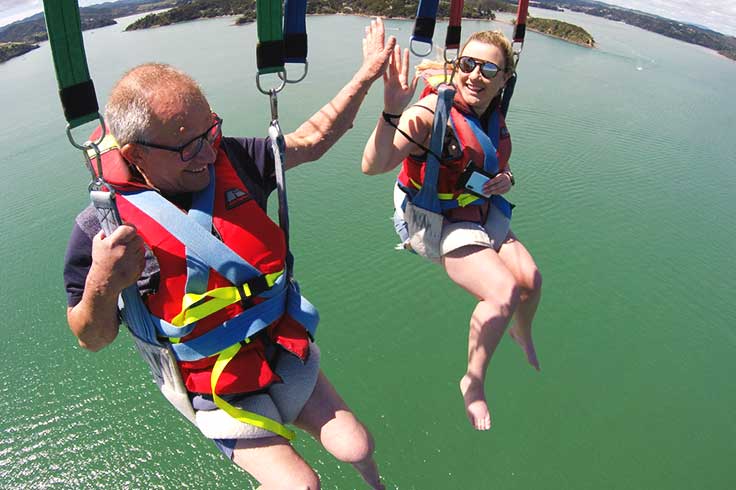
[(11, 50), (561, 30)]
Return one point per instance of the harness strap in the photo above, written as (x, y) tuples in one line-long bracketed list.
[(199, 241), (424, 25), (519, 33), (452, 39), (295, 31), (427, 198), (76, 90), (197, 306), (488, 140), (278, 147), (203, 203), (239, 414), (521, 13), (249, 323)]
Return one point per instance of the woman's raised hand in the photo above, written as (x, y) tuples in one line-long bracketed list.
[(398, 90)]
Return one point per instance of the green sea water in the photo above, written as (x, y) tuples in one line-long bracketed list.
[(625, 160)]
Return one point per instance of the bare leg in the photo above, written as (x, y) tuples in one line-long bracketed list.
[(481, 272), (521, 264), (275, 464), (329, 420)]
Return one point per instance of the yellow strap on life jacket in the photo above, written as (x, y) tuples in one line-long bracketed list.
[(194, 307), (463, 199), (108, 143), (238, 413)]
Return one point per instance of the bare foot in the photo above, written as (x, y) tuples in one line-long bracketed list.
[(475, 403), (523, 337)]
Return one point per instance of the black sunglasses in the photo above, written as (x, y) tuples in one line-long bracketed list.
[(191, 148), (487, 69)]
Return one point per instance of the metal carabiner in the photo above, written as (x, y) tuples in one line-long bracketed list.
[(93, 147), (274, 102), (516, 52)]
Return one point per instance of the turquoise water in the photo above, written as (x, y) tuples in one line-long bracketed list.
[(624, 158)]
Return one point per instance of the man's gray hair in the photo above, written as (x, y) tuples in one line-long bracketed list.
[(128, 112)]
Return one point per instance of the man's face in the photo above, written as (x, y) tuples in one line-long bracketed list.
[(176, 125)]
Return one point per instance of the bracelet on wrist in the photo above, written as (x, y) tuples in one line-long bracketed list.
[(511, 177), (388, 117)]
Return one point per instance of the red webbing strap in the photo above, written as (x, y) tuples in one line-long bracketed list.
[(452, 41), (521, 13)]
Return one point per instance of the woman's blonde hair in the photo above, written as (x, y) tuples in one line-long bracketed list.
[(494, 38)]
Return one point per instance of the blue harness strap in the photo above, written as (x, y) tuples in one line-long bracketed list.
[(488, 140), (203, 202), (427, 198), (424, 25), (198, 241), (295, 31), (249, 323)]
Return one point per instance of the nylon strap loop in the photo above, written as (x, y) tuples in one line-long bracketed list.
[(521, 14), (295, 31), (270, 48), (239, 414), (424, 25), (70, 62), (452, 40)]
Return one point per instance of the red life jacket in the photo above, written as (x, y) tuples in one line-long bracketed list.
[(246, 229), (452, 165)]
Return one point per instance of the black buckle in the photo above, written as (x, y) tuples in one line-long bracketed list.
[(256, 286)]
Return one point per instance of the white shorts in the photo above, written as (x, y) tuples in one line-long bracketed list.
[(460, 234)]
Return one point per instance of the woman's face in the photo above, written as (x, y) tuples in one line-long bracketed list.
[(473, 87)]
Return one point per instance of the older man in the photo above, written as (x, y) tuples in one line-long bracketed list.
[(168, 140)]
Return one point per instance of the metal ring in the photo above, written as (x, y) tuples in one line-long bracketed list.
[(278, 89), (450, 62), (411, 48), (86, 145), (304, 75)]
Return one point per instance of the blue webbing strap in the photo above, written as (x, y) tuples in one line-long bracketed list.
[(135, 313), (250, 322), (424, 24), (488, 140), (212, 251), (278, 147), (203, 202), (295, 31), (427, 198)]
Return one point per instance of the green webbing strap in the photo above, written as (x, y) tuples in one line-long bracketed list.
[(76, 89), (270, 50)]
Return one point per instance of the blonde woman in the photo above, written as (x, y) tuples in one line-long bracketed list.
[(477, 247)]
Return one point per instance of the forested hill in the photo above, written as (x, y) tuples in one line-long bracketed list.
[(562, 30), (725, 45), (11, 50), (195, 9)]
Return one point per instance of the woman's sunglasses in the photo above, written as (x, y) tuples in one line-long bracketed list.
[(487, 69)]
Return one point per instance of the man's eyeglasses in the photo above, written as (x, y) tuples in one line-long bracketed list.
[(191, 149), (487, 69)]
